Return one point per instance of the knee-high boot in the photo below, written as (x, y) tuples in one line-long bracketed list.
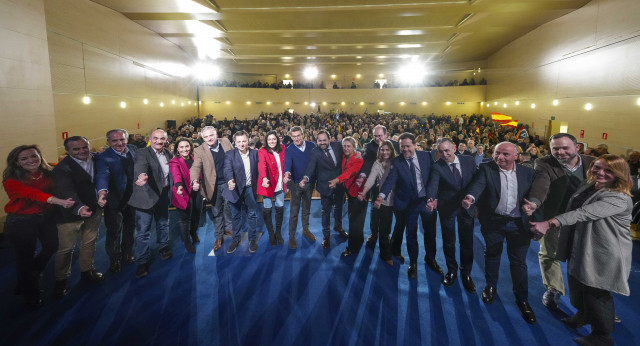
[(279, 217), (266, 215), (185, 236)]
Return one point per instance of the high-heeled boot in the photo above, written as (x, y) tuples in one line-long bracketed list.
[(266, 215), (279, 218)]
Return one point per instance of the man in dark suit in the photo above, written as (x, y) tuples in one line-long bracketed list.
[(557, 178), (408, 178), (114, 182), (370, 156), (151, 198), (241, 175), (450, 176), (74, 178), (499, 188), (462, 149), (325, 164)]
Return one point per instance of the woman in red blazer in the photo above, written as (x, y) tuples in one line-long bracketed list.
[(270, 185), (187, 202), (351, 164), (27, 179)]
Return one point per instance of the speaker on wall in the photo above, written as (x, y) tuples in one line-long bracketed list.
[(171, 123)]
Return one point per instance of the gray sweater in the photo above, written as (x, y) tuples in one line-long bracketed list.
[(601, 249)]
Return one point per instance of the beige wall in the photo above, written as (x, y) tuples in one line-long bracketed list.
[(588, 56), (98, 52), (463, 100), (26, 101)]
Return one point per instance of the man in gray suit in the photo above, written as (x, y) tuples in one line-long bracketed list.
[(557, 178), (151, 198)]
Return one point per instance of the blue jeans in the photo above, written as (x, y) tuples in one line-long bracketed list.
[(144, 217), (278, 197), (247, 200)]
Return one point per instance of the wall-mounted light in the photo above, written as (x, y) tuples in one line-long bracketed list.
[(381, 103), (161, 104), (123, 104), (145, 101), (504, 105), (361, 103), (555, 102), (402, 103), (86, 100), (248, 102), (533, 106), (181, 104), (424, 103), (588, 106), (228, 102), (517, 103), (447, 103), (268, 102)]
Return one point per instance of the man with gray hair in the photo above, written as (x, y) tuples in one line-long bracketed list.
[(207, 175), (114, 183), (151, 197)]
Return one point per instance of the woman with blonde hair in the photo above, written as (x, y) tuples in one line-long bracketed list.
[(596, 243)]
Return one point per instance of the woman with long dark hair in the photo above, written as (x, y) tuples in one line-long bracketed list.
[(270, 184), (30, 217), (187, 202)]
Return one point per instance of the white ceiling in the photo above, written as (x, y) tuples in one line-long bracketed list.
[(247, 33)]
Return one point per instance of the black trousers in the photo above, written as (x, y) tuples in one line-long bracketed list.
[(24, 232), (429, 227), (381, 225), (594, 304), (398, 233), (120, 224), (191, 215), (332, 202), (357, 213), (465, 236)]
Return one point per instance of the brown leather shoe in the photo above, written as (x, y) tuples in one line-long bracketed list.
[(326, 243), (307, 234), (217, 245), (389, 262)]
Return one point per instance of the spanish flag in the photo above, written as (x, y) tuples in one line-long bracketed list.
[(478, 130), (500, 118), (513, 124)]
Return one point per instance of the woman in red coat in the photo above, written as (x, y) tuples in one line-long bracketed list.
[(30, 217), (187, 202), (351, 164), (270, 185)]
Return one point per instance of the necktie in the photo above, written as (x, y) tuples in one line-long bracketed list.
[(326, 151), (457, 178), (412, 173)]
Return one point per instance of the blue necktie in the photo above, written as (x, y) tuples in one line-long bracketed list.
[(457, 178), (412, 171)]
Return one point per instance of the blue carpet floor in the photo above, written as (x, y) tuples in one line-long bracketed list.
[(279, 296)]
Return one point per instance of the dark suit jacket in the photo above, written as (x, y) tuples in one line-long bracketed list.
[(146, 196), (551, 185), (485, 188), (443, 188), (321, 169), (234, 169), (72, 181), (400, 180), (371, 155), (111, 176)]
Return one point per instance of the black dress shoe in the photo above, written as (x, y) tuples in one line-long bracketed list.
[(92, 276), (527, 312), (467, 283), (413, 271), (449, 279), (142, 270), (34, 300), (433, 265), (594, 339), (165, 253), (115, 266), (60, 289), (550, 299), (342, 232), (576, 321), (488, 294), (347, 253), (371, 241), (326, 243)]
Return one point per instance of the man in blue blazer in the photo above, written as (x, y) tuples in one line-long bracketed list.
[(325, 164), (408, 178), (241, 175), (499, 189), (114, 182), (151, 197), (450, 176)]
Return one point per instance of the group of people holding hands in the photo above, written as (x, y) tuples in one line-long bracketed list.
[(577, 206)]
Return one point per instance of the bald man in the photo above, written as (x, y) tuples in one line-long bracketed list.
[(498, 191)]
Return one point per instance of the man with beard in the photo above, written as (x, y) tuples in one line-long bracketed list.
[(557, 178)]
